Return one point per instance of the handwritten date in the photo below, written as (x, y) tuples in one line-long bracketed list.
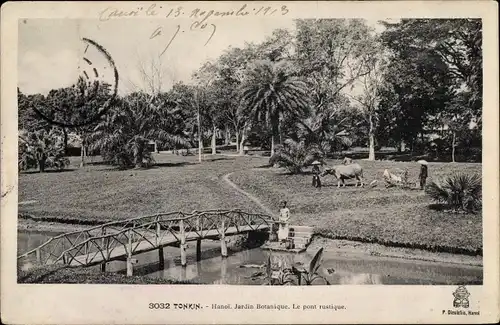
[(155, 10)]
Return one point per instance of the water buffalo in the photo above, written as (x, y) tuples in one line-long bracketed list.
[(343, 172), (347, 161)]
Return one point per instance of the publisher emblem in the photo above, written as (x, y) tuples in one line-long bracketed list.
[(461, 297)]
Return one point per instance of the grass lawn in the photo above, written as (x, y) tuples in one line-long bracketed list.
[(385, 215), (99, 193)]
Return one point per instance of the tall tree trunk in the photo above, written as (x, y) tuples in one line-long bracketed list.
[(65, 132), (279, 133), (214, 140), (41, 165), (371, 152), (200, 142), (82, 156), (237, 133), (371, 140), (272, 145), (139, 153), (228, 135), (453, 148), (274, 132), (82, 153), (242, 144)]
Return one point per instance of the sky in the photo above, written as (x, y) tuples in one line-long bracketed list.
[(51, 51)]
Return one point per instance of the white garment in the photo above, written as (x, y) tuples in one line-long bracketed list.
[(284, 228)]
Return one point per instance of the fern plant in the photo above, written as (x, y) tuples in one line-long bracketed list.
[(459, 191)]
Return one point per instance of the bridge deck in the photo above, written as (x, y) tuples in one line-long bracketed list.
[(143, 246)]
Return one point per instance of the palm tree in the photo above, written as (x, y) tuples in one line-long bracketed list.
[(325, 129), (294, 155), (123, 136), (271, 91), (41, 149)]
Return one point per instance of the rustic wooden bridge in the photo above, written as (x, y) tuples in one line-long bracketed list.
[(120, 240)]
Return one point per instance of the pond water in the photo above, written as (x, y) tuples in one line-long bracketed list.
[(240, 265)]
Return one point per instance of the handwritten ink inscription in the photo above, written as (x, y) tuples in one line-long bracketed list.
[(195, 26), (158, 11), (199, 19)]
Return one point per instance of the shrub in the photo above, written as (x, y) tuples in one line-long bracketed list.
[(459, 191), (295, 156)]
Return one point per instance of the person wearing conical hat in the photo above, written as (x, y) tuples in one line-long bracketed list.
[(424, 173), (316, 182)]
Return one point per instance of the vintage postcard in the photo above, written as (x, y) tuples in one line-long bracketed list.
[(249, 162)]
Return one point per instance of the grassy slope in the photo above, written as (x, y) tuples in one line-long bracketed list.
[(101, 193), (385, 215)]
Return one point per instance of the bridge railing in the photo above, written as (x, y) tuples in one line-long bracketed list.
[(140, 233)]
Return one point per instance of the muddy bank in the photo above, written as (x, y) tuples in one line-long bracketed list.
[(341, 247)]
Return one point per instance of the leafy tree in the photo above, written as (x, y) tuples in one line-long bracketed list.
[(331, 53), (123, 135), (76, 105), (28, 119), (434, 61), (41, 149), (295, 156), (420, 79), (270, 92), (368, 101)]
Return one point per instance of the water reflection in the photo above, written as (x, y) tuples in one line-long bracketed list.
[(217, 270), (360, 279)]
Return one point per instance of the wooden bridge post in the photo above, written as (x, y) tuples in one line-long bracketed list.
[(183, 242), (104, 244), (223, 245), (38, 256), (161, 257), (158, 231), (198, 241), (130, 267)]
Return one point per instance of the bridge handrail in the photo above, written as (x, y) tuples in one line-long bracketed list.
[(181, 216)]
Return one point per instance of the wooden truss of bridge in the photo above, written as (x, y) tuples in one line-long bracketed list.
[(120, 240)]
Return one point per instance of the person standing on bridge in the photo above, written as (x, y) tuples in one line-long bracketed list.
[(283, 220)]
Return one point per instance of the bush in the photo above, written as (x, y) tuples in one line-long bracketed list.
[(295, 156), (459, 191)]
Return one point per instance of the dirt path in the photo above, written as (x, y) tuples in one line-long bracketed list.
[(250, 196)]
